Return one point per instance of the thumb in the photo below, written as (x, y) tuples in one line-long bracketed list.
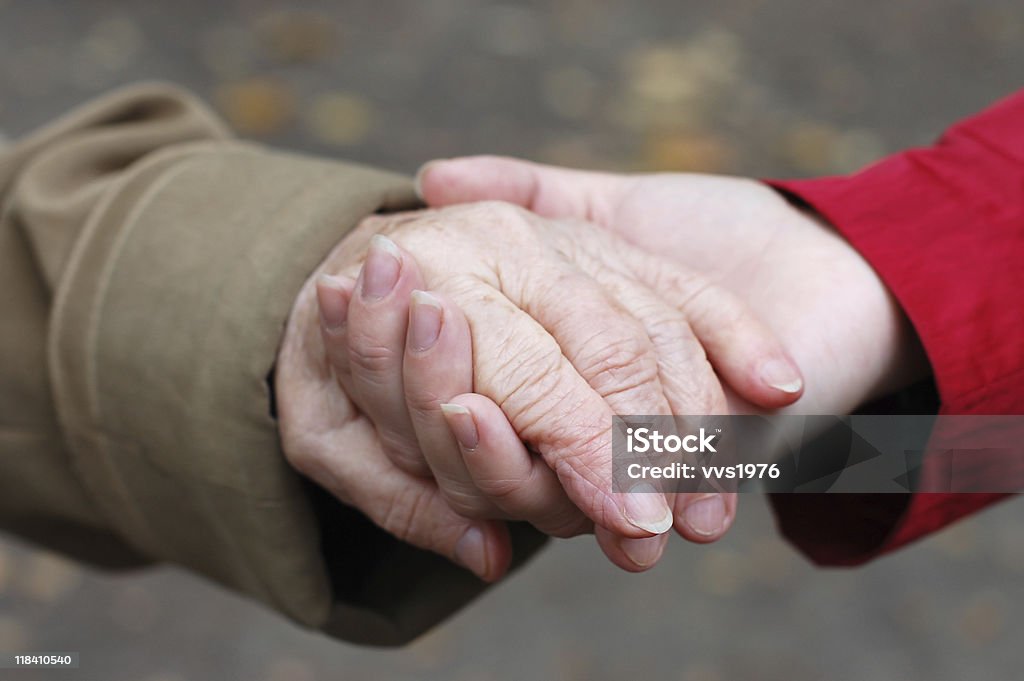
[(546, 190)]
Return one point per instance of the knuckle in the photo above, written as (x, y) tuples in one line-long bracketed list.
[(665, 325), (502, 491), (500, 217), (585, 473), (524, 381), (674, 282), (587, 450), (535, 392), (512, 496), (619, 365), (371, 358), (729, 315), (423, 402), (521, 364), (700, 303), (694, 388), (467, 503), (583, 459)]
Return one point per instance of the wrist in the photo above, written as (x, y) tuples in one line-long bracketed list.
[(849, 334)]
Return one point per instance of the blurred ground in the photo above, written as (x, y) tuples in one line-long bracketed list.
[(768, 88)]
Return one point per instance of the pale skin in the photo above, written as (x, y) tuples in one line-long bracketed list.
[(809, 285), (562, 319), (811, 288)]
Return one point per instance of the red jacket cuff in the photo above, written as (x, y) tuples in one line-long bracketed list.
[(944, 228)]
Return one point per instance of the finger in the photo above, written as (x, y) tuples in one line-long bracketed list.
[(518, 482), (610, 348), (519, 366), (751, 360), (347, 460), (437, 366), (704, 518), (633, 555), (690, 384), (333, 294), (742, 349), (413, 510), (545, 190), (601, 337), (376, 331)]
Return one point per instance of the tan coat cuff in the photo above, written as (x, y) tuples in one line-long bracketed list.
[(165, 328)]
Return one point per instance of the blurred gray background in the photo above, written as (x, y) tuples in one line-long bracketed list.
[(776, 88)]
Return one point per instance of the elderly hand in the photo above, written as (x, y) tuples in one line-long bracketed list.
[(564, 325), (824, 301)]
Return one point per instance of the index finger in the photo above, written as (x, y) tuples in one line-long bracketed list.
[(521, 368)]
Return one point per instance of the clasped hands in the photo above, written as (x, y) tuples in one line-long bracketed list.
[(450, 369)]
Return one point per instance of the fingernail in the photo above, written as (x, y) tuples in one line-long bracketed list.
[(781, 375), (471, 552), (645, 507), (461, 422), (424, 321), (334, 305), (417, 183), (706, 516), (383, 264), (643, 552)]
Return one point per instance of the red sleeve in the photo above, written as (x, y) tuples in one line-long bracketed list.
[(944, 228)]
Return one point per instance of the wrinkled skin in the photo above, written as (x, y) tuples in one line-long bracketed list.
[(569, 324), (831, 310)]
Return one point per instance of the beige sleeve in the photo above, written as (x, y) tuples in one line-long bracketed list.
[(147, 266)]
